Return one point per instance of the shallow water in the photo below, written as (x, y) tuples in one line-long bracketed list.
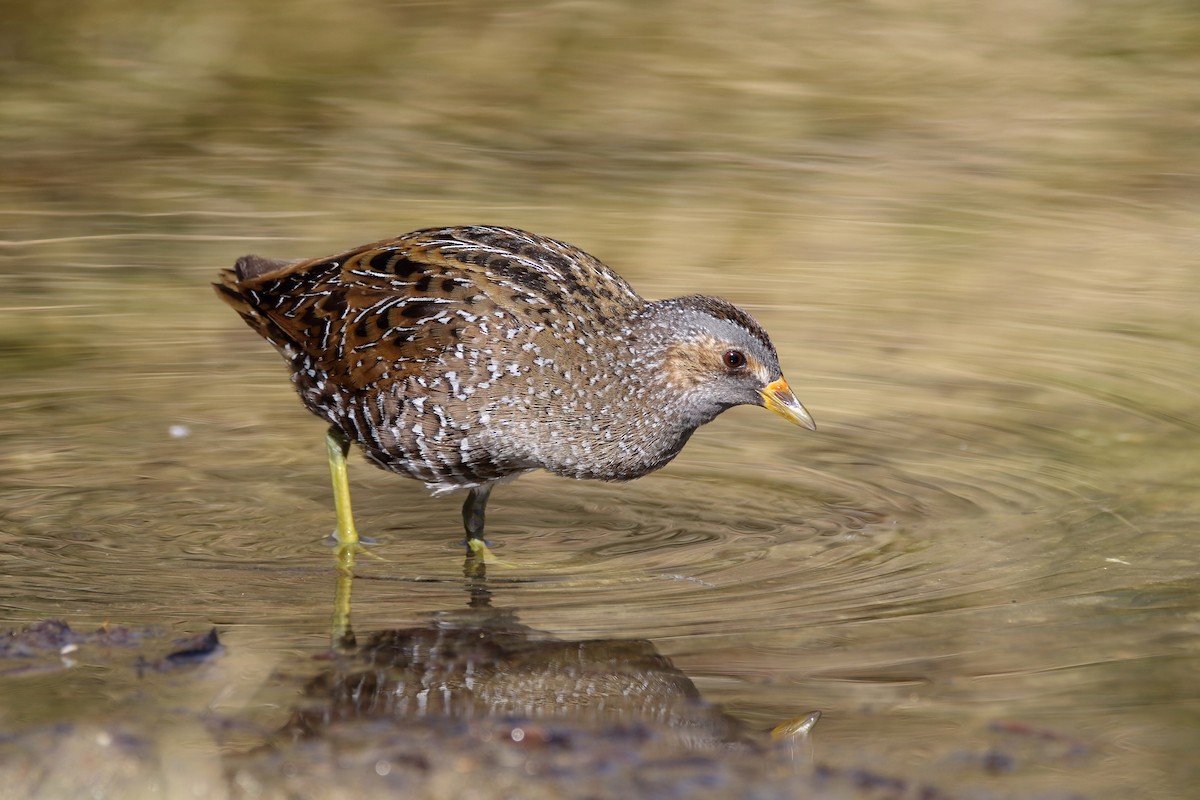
[(988, 547), (981, 569)]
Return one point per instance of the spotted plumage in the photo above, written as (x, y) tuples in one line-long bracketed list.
[(461, 356)]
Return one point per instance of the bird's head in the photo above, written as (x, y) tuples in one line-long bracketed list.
[(716, 356)]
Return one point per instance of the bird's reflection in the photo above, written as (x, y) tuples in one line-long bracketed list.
[(479, 595), (480, 662)]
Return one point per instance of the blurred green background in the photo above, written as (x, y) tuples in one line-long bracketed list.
[(903, 113)]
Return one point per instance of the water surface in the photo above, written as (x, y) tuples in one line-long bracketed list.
[(981, 569)]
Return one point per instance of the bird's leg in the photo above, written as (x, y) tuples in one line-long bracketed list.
[(473, 512), (338, 446)]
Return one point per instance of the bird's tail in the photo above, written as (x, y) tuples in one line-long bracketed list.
[(247, 302)]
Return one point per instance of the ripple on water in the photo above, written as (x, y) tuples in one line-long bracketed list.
[(844, 526), (742, 526)]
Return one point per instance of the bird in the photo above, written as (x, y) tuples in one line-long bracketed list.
[(465, 356)]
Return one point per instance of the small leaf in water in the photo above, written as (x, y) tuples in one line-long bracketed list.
[(796, 728)]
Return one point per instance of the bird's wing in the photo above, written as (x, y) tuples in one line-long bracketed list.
[(393, 306)]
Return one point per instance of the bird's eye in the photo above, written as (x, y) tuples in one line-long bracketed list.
[(734, 359)]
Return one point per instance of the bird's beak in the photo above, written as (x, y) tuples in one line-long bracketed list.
[(778, 397)]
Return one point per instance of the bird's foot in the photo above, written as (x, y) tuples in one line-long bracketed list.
[(352, 545), (478, 550)]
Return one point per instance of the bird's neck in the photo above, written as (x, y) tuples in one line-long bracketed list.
[(639, 421)]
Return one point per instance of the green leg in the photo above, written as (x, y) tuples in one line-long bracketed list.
[(338, 446), (473, 511)]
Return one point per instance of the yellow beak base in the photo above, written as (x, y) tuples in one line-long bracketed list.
[(778, 397)]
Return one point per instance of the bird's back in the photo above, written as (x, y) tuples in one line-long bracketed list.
[(405, 300)]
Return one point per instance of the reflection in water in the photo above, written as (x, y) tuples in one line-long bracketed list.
[(473, 664), (342, 633), (476, 696), (481, 662)]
